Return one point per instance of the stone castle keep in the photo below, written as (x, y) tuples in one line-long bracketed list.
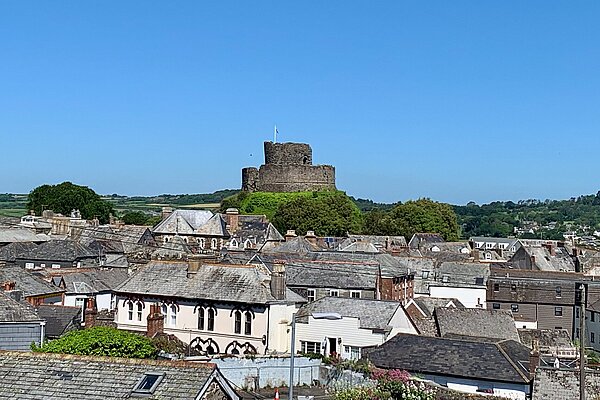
[(288, 168)]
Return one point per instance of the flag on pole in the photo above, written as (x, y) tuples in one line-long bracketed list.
[(275, 132)]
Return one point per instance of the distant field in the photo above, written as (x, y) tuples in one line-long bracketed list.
[(202, 205), (12, 212)]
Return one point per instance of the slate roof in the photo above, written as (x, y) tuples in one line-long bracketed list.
[(544, 261), (295, 246), (379, 241), (230, 283), (505, 361), (59, 376), (215, 226), (419, 239), (497, 324), (183, 221), (59, 319), (462, 273), (92, 280), (545, 338), (560, 384), (12, 235), (256, 228), (373, 314), (359, 247), (12, 251), (14, 311), (429, 304), (30, 284), (331, 275), (59, 250)]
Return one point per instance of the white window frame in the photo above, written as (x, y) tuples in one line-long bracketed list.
[(355, 294), (29, 265), (310, 347), (333, 293), (311, 295), (352, 352)]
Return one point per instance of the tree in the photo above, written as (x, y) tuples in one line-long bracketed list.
[(100, 341), (136, 218), (325, 213), (64, 197), (423, 215)]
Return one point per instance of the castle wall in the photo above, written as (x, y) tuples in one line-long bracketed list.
[(288, 153), (295, 178), (288, 168)]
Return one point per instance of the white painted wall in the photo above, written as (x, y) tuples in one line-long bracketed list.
[(349, 331), (469, 296), (186, 327)]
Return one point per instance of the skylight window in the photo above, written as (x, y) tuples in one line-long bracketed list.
[(148, 383)]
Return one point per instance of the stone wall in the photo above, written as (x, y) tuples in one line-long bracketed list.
[(288, 168), (562, 384), (288, 153)]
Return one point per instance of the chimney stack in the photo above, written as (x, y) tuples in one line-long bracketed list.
[(90, 313), (8, 286), (232, 217), (278, 280), (166, 211), (290, 234), (194, 264), (311, 237), (156, 321), (534, 359)]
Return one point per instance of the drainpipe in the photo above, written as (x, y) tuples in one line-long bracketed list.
[(42, 332)]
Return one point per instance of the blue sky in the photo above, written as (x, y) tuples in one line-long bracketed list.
[(456, 101)]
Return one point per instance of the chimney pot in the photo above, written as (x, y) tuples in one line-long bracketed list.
[(290, 234)]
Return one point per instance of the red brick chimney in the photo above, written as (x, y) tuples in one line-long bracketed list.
[(90, 313), (534, 359), (156, 321), (8, 286)]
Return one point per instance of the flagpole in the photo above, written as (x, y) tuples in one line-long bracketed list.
[(275, 134)]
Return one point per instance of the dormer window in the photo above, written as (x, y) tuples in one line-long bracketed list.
[(234, 244), (213, 244), (148, 383), (247, 244)]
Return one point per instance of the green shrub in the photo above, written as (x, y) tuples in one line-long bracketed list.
[(100, 341)]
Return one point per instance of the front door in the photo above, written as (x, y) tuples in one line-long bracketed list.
[(332, 346)]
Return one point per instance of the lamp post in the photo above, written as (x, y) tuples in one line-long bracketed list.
[(321, 315)]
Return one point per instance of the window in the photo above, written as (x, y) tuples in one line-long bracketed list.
[(577, 333), (425, 274), (130, 312), (55, 266), (201, 318), (479, 281), (558, 311), (593, 316), (592, 337), (202, 243), (576, 312), (213, 244), (310, 295), (247, 244), (487, 256), (139, 311), (29, 265), (211, 319), (496, 306), (234, 244), (496, 287), (489, 245), (310, 347), (248, 323), (514, 307), (355, 294), (513, 288), (334, 293), (148, 383), (352, 352), (173, 316), (237, 326), (558, 292), (446, 278)]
